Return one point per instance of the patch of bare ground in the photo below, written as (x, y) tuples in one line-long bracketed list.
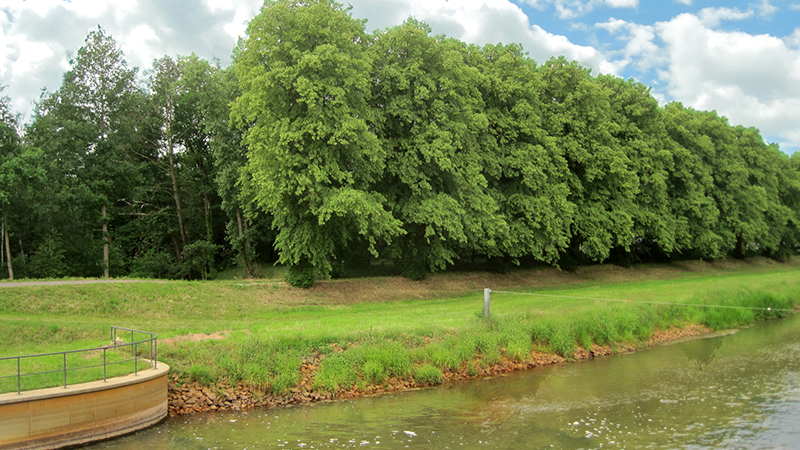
[(386, 289), (196, 337), (191, 397)]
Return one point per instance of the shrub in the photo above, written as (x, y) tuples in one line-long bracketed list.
[(335, 372), (374, 372), (48, 260), (202, 374), (300, 276), (428, 374), (198, 260), (562, 342), (415, 270), (154, 264)]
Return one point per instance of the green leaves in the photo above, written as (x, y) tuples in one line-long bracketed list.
[(312, 157), (424, 149), (327, 149)]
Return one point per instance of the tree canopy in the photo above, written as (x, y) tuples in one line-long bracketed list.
[(327, 149)]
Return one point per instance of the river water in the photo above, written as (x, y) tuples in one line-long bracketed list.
[(734, 391)]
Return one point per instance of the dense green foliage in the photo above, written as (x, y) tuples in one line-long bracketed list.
[(329, 149)]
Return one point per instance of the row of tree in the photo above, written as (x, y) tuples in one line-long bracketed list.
[(325, 148), (125, 174)]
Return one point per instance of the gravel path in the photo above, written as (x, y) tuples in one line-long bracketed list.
[(60, 282)]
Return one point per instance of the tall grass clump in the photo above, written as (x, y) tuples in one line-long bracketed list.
[(562, 342), (383, 359), (451, 352), (336, 371), (269, 365), (428, 374), (515, 339), (742, 308), (733, 308)]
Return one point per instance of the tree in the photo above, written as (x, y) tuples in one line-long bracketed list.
[(184, 97), (90, 133), (578, 115), (641, 134), (248, 226), (430, 123), (312, 155), (9, 177), (527, 172)]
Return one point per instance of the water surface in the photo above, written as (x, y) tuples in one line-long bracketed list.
[(738, 391)]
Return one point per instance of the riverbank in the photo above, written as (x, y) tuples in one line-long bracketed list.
[(191, 397), (256, 342)]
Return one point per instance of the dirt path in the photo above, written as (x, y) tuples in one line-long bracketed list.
[(61, 282)]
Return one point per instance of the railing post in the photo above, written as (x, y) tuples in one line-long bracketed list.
[(135, 360), (487, 297), (65, 369), (19, 376), (105, 375), (132, 339), (155, 346)]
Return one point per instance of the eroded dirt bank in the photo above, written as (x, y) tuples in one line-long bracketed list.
[(192, 397)]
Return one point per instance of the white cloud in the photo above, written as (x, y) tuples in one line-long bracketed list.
[(479, 22), (794, 6), (793, 40), (685, 2), (754, 80), (765, 9), (711, 17), (37, 37), (571, 9), (640, 47), (623, 3)]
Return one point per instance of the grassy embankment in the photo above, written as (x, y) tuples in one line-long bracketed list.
[(368, 330)]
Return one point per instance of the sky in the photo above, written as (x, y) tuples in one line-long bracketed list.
[(739, 58)]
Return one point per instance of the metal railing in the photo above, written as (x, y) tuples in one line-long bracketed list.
[(149, 343)]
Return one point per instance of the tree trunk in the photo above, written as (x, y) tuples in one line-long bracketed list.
[(243, 244), (176, 247), (105, 242), (8, 249), (176, 193), (209, 226)]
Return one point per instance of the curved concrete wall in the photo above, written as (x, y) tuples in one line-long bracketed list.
[(57, 417)]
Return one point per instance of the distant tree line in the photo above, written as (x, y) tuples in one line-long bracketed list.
[(327, 149)]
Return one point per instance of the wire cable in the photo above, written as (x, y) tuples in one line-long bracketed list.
[(645, 302)]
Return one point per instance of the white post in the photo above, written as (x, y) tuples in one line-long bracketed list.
[(487, 296)]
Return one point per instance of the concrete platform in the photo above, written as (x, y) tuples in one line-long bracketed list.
[(57, 417)]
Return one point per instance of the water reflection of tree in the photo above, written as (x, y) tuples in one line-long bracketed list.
[(702, 351)]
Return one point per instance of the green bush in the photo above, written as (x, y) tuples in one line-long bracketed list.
[(374, 372), (154, 264), (415, 270), (300, 276), (48, 260), (202, 374), (428, 374), (563, 342), (198, 260), (337, 371)]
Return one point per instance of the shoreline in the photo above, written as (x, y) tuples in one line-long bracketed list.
[(188, 398)]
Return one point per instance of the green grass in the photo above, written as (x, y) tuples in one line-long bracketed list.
[(48, 371), (271, 328)]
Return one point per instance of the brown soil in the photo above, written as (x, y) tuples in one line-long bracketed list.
[(216, 336), (191, 397)]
